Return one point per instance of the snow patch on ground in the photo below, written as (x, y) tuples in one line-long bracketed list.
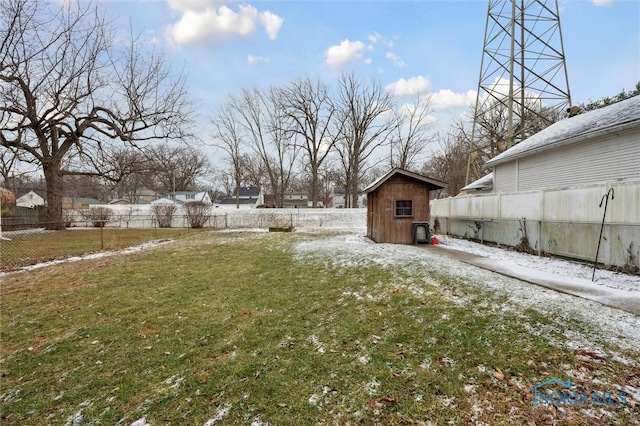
[(601, 324), (100, 255), (219, 415), (555, 267)]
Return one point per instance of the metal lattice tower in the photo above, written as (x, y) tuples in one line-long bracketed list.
[(523, 71)]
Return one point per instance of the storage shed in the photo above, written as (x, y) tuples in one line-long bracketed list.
[(396, 204)]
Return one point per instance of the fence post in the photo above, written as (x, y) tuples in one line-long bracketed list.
[(101, 235), (539, 238)]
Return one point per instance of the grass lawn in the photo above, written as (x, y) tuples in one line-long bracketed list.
[(27, 248), (240, 328)]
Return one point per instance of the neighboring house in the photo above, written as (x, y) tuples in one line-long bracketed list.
[(295, 200), (338, 199), (548, 193), (31, 199), (143, 196), (165, 201), (119, 202), (78, 203), (248, 197), (396, 204), (592, 147), (187, 196)]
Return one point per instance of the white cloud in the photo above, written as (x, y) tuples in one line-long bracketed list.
[(253, 59), (396, 60), (346, 51), (206, 21), (446, 98), (272, 23), (193, 5), (376, 38), (603, 2), (411, 86)]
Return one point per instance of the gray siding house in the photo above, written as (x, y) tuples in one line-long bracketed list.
[(596, 146)]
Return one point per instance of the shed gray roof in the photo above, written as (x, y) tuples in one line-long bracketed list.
[(619, 116)]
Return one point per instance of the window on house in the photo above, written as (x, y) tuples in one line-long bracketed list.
[(191, 196), (403, 208)]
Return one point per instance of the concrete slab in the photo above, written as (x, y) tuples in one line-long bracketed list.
[(628, 301)]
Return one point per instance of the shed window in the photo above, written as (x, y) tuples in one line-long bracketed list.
[(403, 208)]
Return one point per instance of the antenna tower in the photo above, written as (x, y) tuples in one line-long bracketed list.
[(523, 72)]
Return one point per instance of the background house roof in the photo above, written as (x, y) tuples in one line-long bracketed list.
[(431, 183), (232, 200), (25, 192), (247, 191), (85, 200), (621, 115), (485, 182)]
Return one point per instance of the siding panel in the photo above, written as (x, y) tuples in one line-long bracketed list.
[(596, 160), (505, 177)]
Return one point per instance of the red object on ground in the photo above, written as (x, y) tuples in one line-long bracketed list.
[(434, 240)]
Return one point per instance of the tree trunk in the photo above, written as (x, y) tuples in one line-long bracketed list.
[(314, 186), (354, 185), (53, 177)]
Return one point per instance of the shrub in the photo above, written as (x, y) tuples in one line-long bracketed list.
[(100, 216), (164, 214), (197, 213)]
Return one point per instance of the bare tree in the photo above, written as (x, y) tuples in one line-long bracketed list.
[(267, 129), (254, 170), (364, 127), (176, 167), (449, 163), (311, 110), (228, 138), (68, 92), (410, 134)]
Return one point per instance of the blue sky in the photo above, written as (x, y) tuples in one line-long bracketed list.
[(225, 46)]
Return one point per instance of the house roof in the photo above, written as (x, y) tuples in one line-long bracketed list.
[(232, 200), (166, 201), (25, 192), (485, 182), (146, 192), (185, 192), (338, 190), (431, 183), (619, 116), (85, 200), (247, 191)]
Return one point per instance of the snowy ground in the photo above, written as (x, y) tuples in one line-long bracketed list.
[(99, 255), (559, 268), (602, 325)]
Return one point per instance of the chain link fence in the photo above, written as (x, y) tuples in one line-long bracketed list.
[(25, 241)]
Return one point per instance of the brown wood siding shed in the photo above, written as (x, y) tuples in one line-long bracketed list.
[(383, 225)]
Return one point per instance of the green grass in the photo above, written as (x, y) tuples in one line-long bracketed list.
[(24, 249), (222, 321)]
